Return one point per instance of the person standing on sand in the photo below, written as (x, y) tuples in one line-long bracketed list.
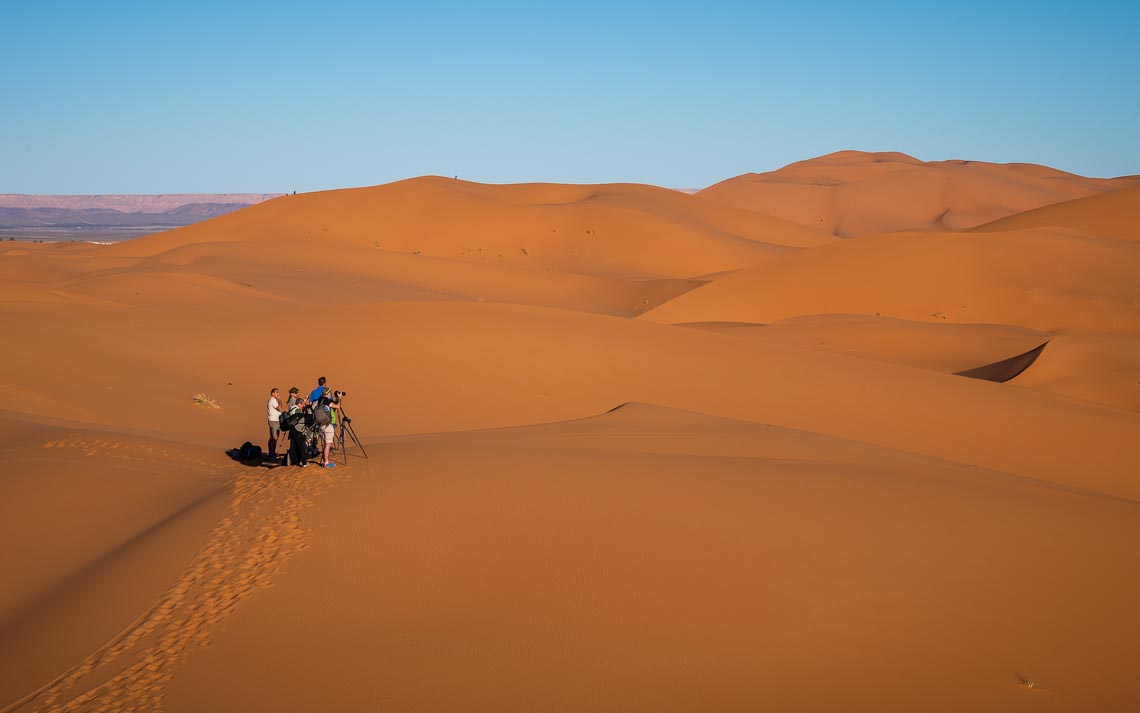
[(328, 430), (274, 407), (297, 444), (294, 398), (318, 392)]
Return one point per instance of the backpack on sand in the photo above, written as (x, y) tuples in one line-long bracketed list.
[(249, 451), (290, 420)]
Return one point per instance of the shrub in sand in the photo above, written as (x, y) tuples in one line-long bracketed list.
[(1028, 681), (205, 401)]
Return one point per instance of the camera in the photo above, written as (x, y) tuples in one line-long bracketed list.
[(338, 394)]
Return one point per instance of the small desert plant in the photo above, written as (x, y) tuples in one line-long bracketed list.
[(1027, 681), (205, 401)]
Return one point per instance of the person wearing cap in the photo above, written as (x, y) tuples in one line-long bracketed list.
[(298, 440), (294, 397)]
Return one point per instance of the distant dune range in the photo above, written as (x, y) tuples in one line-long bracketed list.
[(852, 193), (118, 211), (630, 449)]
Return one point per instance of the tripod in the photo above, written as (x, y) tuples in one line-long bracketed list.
[(345, 428)]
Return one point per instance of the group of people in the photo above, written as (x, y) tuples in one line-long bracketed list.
[(320, 399)]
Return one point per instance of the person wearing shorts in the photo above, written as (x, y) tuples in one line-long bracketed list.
[(274, 407), (329, 432)]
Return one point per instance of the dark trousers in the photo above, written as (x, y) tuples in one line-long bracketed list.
[(297, 446)]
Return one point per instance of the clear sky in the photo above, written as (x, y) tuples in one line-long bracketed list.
[(155, 97)]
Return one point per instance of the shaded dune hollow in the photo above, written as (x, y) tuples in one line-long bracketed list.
[(1006, 369)]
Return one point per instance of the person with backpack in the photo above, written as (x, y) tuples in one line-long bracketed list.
[(294, 421), (318, 392), (325, 417), (294, 398)]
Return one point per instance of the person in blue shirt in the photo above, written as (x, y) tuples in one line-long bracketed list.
[(318, 392), (320, 399)]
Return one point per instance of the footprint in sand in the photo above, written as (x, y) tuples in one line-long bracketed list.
[(260, 531)]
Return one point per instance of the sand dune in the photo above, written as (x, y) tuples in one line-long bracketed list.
[(1101, 369), (1114, 215), (97, 524), (630, 449), (449, 366), (731, 569), (619, 230), (852, 193), (213, 274), (1043, 279), (946, 348)]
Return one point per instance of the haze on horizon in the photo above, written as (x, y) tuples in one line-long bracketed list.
[(276, 97)]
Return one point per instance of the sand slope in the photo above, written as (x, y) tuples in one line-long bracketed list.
[(1115, 215), (852, 193), (1044, 279), (946, 348), (97, 524), (615, 230), (665, 560), (790, 502)]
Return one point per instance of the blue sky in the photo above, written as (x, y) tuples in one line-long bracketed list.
[(270, 97)]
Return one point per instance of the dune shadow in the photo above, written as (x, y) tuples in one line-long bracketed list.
[(261, 461), (1006, 369)]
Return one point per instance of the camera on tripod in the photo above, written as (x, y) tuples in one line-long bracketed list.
[(336, 400)]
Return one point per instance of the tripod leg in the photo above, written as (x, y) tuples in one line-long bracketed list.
[(352, 434)]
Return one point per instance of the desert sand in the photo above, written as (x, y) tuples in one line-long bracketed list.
[(628, 449)]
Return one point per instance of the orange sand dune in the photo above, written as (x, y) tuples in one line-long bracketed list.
[(94, 535), (662, 560), (618, 230), (242, 276), (947, 348), (852, 193), (420, 367), (1100, 369), (1103, 369), (1115, 215), (1043, 279), (812, 515)]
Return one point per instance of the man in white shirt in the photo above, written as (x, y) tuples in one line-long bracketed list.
[(274, 421)]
